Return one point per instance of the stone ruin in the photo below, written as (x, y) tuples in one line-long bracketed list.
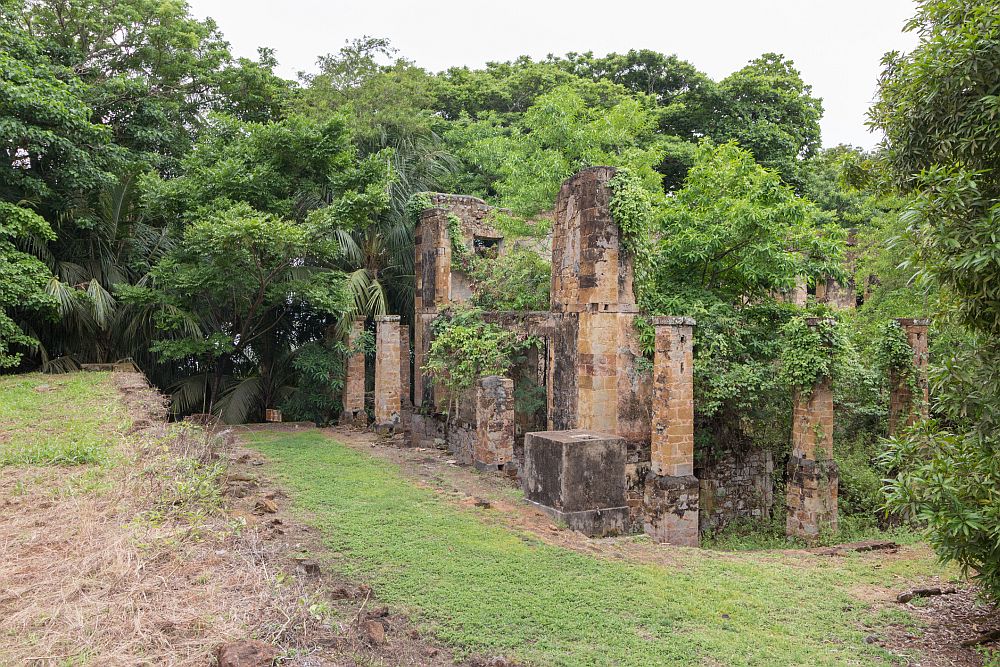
[(613, 451)]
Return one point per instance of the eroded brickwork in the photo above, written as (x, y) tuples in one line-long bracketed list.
[(387, 372), (905, 407), (673, 397), (812, 476), (494, 446), (354, 379), (671, 490), (590, 268)]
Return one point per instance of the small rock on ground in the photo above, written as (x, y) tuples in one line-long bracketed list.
[(249, 653)]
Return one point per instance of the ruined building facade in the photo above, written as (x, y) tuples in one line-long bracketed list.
[(613, 450)]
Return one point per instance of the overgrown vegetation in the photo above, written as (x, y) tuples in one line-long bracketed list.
[(164, 201), (465, 348), (937, 106)]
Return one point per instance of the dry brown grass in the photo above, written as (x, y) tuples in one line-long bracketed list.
[(137, 563)]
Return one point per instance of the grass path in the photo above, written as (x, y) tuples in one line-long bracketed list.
[(487, 589)]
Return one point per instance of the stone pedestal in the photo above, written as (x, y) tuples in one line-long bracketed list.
[(577, 477), (812, 497), (387, 369), (494, 444), (812, 473), (905, 407), (354, 379)]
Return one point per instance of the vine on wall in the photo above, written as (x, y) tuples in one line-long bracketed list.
[(632, 210), (809, 353)]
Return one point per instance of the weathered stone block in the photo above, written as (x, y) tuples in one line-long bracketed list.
[(387, 384), (578, 476), (670, 509), (494, 445)]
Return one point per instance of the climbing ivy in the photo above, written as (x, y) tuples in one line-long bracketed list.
[(894, 356), (417, 203), (631, 208), (461, 258), (808, 353)]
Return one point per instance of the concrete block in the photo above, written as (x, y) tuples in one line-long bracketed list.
[(578, 476)]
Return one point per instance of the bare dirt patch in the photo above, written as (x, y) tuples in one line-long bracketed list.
[(944, 622), (144, 562)]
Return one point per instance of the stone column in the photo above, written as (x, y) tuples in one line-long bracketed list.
[(812, 476), (354, 379), (904, 408), (404, 366), (671, 495), (387, 365), (494, 444)]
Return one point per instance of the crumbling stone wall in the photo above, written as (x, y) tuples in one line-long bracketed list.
[(736, 481), (905, 408)]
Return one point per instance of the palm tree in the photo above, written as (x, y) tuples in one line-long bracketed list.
[(379, 259), (99, 247)]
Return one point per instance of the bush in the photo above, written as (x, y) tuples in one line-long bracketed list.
[(519, 280)]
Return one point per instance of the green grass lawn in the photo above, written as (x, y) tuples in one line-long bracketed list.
[(58, 419), (484, 588)]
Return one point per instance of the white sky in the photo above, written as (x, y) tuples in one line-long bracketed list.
[(837, 45)]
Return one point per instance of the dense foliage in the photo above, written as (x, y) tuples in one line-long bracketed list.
[(938, 107), (466, 348)]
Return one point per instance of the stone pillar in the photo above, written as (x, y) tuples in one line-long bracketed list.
[(494, 444), (354, 378), (800, 293), (404, 366), (387, 365), (671, 495), (904, 408), (812, 475)]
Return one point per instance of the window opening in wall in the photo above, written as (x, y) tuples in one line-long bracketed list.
[(486, 247)]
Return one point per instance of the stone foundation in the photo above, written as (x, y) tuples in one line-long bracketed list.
[(812, 497), (578, 477), (670, 509)]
